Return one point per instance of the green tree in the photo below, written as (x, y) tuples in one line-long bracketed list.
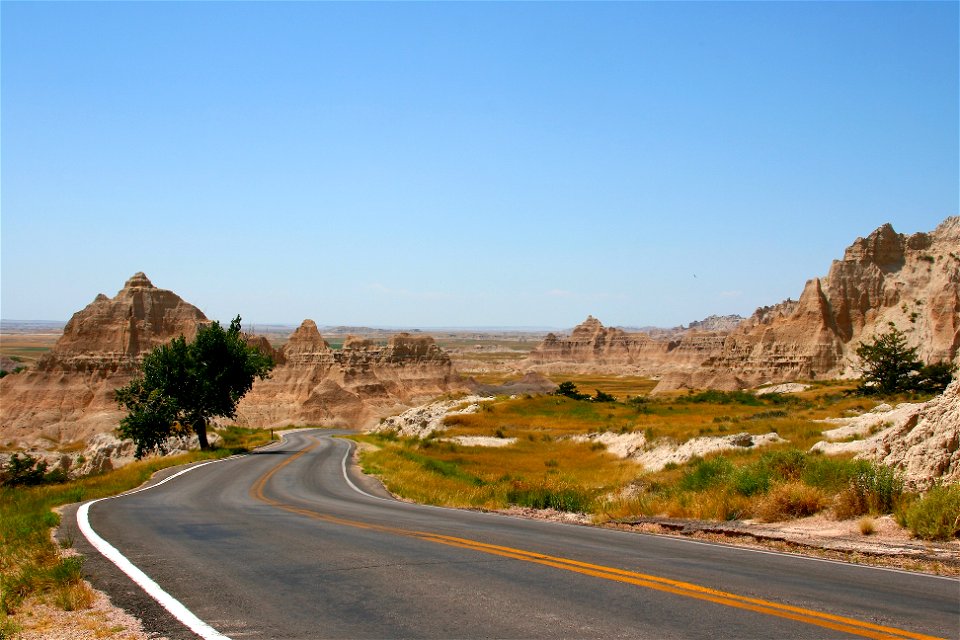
[(569, 389), (888, 364), (186, 384), (603, 396), (934, 378)]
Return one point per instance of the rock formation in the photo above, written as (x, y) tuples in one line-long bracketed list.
[(921, 440), (314, 384), (112, 334), (912, 281), (593, 348), (69, 396)]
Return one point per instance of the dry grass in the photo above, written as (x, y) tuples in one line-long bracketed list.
[(480, 477), (774, 482), (789, 501)]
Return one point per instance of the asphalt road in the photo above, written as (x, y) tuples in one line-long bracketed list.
[(277, 544)]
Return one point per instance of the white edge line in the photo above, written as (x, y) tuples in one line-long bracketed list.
[(343, 465), (168, 602), (793, 556)]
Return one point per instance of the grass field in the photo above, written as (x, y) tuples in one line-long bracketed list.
[(545, 468)]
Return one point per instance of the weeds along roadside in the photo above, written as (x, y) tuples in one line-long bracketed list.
[(32, 566), (544, 468)]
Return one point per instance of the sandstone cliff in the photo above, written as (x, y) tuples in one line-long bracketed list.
[(314, 384), (69, 396), (912, 281)]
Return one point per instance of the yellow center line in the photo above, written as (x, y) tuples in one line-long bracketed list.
[(686, 589)]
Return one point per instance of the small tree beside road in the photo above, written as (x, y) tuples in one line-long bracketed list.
[(185, 385)]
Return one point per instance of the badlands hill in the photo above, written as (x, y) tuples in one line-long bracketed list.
[(68, 397), (912, 281), (314, 384)]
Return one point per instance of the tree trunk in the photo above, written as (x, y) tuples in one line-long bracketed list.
[(200, 426)]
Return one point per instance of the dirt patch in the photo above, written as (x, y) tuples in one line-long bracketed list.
[(43, 621), (889, 545)]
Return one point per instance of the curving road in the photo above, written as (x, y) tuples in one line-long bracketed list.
[(285, 543)]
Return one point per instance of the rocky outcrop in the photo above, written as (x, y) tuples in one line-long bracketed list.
[(921, 440), (314, 384), (594, 348), (912, 281), (420, 422), (68, 397), (112, 334), (104, 452)]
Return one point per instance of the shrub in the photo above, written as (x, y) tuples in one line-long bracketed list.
[(545, 496), (723, 397), (569, 390), (791, 500), (601, 396), (874, 489), (785, 465), (705, 474), (23, 471), (935, 377), (751, 480), (935, 516)]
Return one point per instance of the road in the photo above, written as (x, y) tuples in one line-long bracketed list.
[(278, 544)]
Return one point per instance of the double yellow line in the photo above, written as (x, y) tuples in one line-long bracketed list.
[(686, 589)]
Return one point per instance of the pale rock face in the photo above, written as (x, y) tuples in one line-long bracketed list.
[(104, 452), (921, 440), (655, 456), (420, 422), (912, 281)]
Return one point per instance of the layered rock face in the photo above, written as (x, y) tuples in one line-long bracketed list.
[(314, 384), (912, 281), (593, 348), (69, 396), (112, 334)]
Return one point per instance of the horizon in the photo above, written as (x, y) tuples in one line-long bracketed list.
[(466, 165)]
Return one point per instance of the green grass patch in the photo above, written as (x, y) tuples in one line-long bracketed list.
[(447, 469), (551, 496)]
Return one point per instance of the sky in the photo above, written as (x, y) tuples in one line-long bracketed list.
[(465, 164)]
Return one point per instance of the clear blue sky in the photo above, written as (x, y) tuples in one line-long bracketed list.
[(465, 164)]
